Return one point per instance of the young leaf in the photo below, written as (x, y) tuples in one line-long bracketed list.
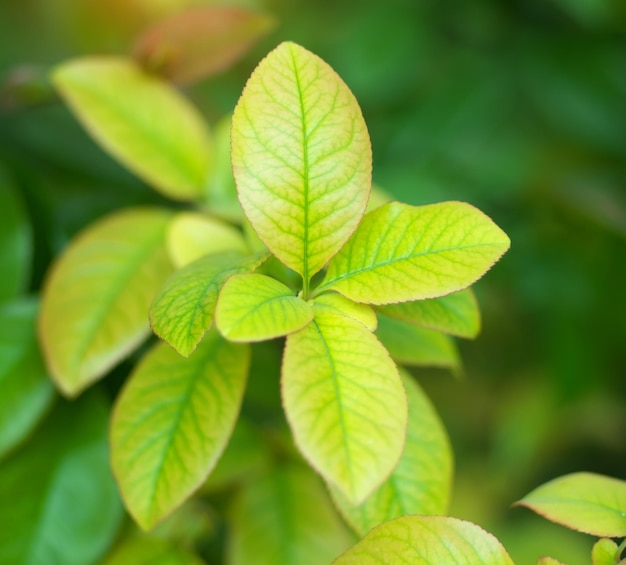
[(27, 392), (421, 481), (95, 303), (586, 502), (150, 551), (200, 41), (401, 253), (192, 235), (549, 561), (285, 517), (301, 158), (184, 308), (427, 540), (412, 345), (257, 308), (141, 121), (60, 503), (172, 422), (344, 402), (455, 314), (604, 552), (343, 306)]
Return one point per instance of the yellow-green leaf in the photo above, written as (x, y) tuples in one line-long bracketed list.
[(345, 403), (421, 482), (150, 551), (96, 299), (401, 253), (285, 517), (256, 308), (412, 345), (455, 314), (586, 502), (549, 561), (605, 552), (192, 235), (183, 310), (339, 304), (301, 158), (172, 421), (140, 120), (427, 540)]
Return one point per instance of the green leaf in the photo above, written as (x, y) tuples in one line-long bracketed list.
[(60, 503), (301, 158), (95, 304), (27, 392), (285, 517), (257, 308), (421, 481), (183, 310), (455, 314), (172, 421), (345, 403), (412, 345), (605, 552), (339, 304), (426, 540), (192, 235), (401, 253), (150, 551), (15, 242), (586, 502), (140, 120), (549, 561)]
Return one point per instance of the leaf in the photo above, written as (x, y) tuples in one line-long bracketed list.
[(141, 121), (605, 552), (412, 345), (257, 308), (95, 303), (586, 502), (344, 402), (150, 551), (455, 313), (200, 42), (172, 421), (285, 517), (301, 158), (184, 308), (401, 253), (27, 392), (15, 242), (192, 235), (339, 304), (426, 540), (421, 482), (60, 501), (548, 561)]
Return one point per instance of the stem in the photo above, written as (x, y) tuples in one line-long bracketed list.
[(306, 284)]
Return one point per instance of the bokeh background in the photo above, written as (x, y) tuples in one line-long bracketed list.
[(518, 107)]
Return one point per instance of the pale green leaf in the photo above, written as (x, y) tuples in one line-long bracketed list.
[(27, 392), (95, 303), (412, 345), (257, 308), (426, 540), (586, 502), (192, 235), (285, 517), (183, 310), (605, 552), (141, 120), (549, 561), (150, 551), (172, 421), (15, 242), (455, 314), (421, 481), (345, 403), (401, 253), (301, 158), (59, 501), (339, 304)]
